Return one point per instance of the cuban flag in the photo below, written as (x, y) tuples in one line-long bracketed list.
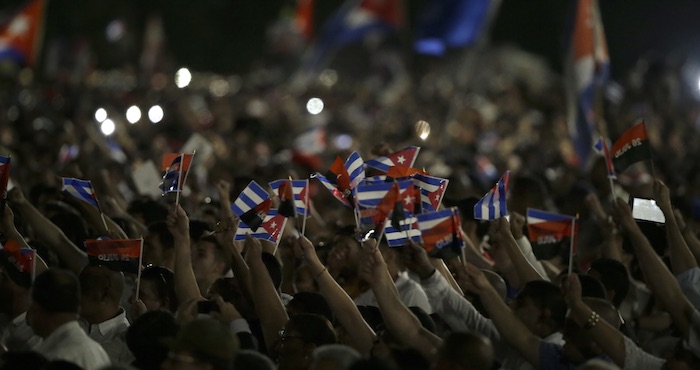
[(271, 228), (547, 231), (20, 36), (337, 194), (300, 191), (601, 147), (371, 195), (4, 174), (356, 169), (18, 263), (587, 69), (441, 233), (405, 158), (432, 190), (376, 179), (397, 237), (80, 189), (342, 178), (252, 205), (176, 166), (493, 205)]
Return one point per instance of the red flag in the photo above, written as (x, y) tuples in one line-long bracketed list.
[(20, 36), (116, 254), (4, 174), (633, 146), (399, 172), (386, 206), (285, 192), (171, 162), (304, 18)]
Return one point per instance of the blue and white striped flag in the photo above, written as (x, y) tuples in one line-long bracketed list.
[(271, 229), (493, 205), (356, 169), (81, 189), (252, 205), (337, 194), (409, 228), (432, 191), (405, 157), (371, 194)]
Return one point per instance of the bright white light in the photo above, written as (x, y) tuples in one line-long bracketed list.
[(155, 114), (183, 77), (107, 127), (100, 114), (424, 135), (314, 106), (133, 114)]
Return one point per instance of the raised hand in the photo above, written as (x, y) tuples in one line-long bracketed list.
[(372, 266), (622, 214), (475, 280), (227, 311), (253, 249), (663, 197), (572, 290), (178, 223), (416, 259), (517, 224)]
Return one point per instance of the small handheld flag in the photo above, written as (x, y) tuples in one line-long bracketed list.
[(493, 204), (19, 263), (601, 147), (398, 236), (299, 189), (441, 233), (633, 146), (176, 167), (4, 174), (80, 189), (116, 254), (271, 228), (405, 157), (341, 178), (432, 190), (252, 205)]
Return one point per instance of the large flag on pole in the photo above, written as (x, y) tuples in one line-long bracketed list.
[(252, 205), (586, 68), (493, 205), (116, 254), (21, 35), (633, 146)]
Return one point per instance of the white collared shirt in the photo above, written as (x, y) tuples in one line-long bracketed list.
[(70, 343), (18, 336), (410, 292), (111, 334)]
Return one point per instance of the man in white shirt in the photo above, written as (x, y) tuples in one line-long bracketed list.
[(14, 299), (53, 315), (103, 319)]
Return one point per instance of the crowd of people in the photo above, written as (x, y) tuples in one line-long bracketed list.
[(325, 300)]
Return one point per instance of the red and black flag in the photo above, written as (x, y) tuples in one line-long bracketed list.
[(633, 146), (18, 263), (115, 254)]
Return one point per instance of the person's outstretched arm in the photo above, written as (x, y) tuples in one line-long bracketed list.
[(504, 237), (511, 328), (268, 304), (342, 305), (399, 320), (47, 232), (682, 259), (7, 227), (186, 287)]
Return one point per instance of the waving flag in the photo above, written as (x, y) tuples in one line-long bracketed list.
[(405, 158), (116, 254), (252, 205), (380, 200), (18, 263), (4, 174), (343, 178), (408, 227), (356, 169), (271, 229), (587, 70), (371, 195), (602, 148), (446, 24), (20, 36), (176, 167), (337, 194), (633, 146), (300, 191), (548, 231), (493, 204), (81, 189), (432, 190), (441, 233)]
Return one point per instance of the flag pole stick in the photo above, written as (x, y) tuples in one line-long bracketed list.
[(180, 180), (99, 207), (571, 245), (34, 256), (612, 189), (138, 274), (307, 204)]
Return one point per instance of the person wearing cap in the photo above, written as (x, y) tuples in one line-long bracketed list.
[(204, 344), (53, 315)]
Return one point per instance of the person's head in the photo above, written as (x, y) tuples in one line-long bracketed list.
[(147, 211), (333, 357), (249, 359), (541, 307), (230, 291), (210, 261), (343, 254), (465, 351), (157, 289), (158, 245), (273, 267), (613, 275), (580, 345), (55, 300), (301, 335), (20, 360), (101, 290), (201, 344), (310, 303), (144, 338)]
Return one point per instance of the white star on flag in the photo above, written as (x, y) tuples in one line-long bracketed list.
[(401, 159), (408, 199), (273, 224), (19, 26)]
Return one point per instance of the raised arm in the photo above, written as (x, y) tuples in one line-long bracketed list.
[(612, 239), (504, 237), (268, 304), (400, 321), (47, 232), (511, 329), (224, 189), (682, 259), (186, 287), (660, 280), (225, 232), (7, 227), (691, 238), (342, 305)]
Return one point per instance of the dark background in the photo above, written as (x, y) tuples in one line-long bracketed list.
[(227, 36)]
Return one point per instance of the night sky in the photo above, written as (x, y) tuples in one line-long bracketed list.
[(227, 36)]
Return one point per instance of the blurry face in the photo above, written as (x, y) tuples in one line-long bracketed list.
[(293, 353), (148, 295), (204, 262), (342, 259), (304, 281), (153, 251)]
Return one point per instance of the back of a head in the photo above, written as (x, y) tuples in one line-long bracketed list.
[(249, 359), (466, 350), (613, 274), (102, 280), (21, 360), (340, 356), (160, 229), (144, 338), (546, 295), (164, 281), (314, 328), (592, 287), (57, 291), (310, 302)]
